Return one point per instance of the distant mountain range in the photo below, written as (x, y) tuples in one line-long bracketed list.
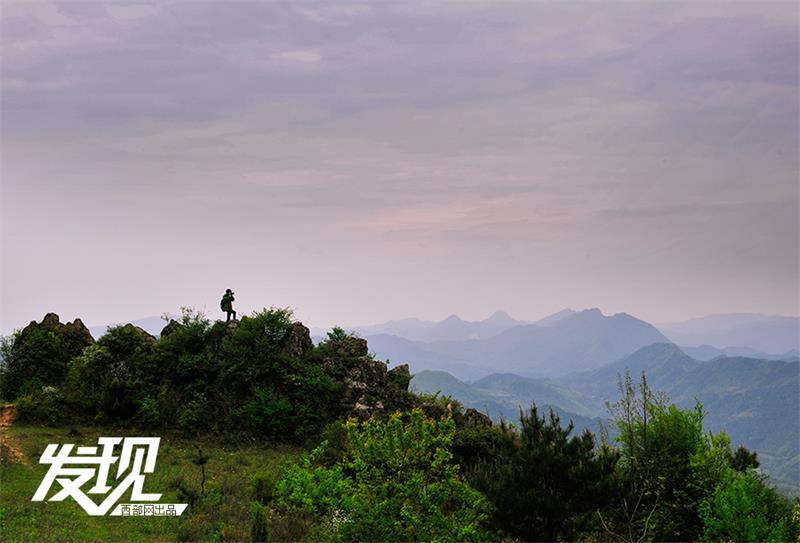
[(762, 333), (450, 329), (745, 397), (562, 343), (707, 352)]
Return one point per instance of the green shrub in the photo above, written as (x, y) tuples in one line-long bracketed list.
[(190, 415), (337, 333), (46, 406), (149, 413), (396, 482), (267, 412), (259, 525), (743, 508), (272, 324), (264, 484), (39, 357)]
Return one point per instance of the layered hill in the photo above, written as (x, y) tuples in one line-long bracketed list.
[(575, 341), (754, 401), (503, 396), (762, 333), (452, 328)]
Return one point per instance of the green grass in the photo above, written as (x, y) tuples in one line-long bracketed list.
[(220, 513)]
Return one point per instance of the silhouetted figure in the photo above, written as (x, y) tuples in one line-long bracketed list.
[(227, 305)]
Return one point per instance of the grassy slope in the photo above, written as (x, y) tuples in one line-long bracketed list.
[(222, 511)]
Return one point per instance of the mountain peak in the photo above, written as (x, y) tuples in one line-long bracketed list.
[(500, 317), (452, 319), (555, 317), (593, 314)]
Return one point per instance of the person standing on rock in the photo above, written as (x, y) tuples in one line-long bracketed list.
[(227, 305)]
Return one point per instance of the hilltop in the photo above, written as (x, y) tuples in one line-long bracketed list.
[(261, 375)]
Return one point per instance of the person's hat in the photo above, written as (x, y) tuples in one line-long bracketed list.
[(228, 290)]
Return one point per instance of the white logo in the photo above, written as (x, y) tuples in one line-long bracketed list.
[(89, 464)]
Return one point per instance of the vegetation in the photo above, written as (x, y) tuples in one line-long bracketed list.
[(395, 481), (383, 464), (222, 512), (206, 377), (545, 483)]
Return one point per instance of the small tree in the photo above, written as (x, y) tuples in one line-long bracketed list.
[(396, 482), (638, 493)]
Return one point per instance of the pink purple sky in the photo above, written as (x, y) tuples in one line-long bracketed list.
[(366, 161)]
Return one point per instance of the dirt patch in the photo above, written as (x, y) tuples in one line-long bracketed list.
[(9, 447)]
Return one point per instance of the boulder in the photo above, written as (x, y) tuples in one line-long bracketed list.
[(473, 417), (400, 376), (171, 327), (366, 385), (351, 346), (298, 341)]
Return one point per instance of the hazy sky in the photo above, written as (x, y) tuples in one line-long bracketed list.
[(361, 162)]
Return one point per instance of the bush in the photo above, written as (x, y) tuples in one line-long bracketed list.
[(396, 482), (264, 484), (148, 414), (259, 525), (267, 412), (337, 333), (34, 358), (745, 509), (45, 406)]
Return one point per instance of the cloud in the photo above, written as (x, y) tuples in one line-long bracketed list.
[(305, 56), (515, 133)]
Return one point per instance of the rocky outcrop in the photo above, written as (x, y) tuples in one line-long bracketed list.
[(473, 417), (40, 353), (298, 341), (171, 327), (75, 336), (366, 385), (139, 331)]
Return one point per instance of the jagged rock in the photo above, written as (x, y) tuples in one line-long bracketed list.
[(139, 331), (476, 418), (74, 335), (365, 384), (298, 341), (171, 327), (349, 347), (400, 376), (51, 320)]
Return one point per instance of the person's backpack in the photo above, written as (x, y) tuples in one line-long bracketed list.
[(222, 303)]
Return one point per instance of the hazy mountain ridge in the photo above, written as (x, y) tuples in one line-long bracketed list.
[(492, 396), (763, 333), (577, 341), (451, 328), (709, 352)]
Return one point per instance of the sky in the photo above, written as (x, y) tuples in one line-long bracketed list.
[(360, 162)]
